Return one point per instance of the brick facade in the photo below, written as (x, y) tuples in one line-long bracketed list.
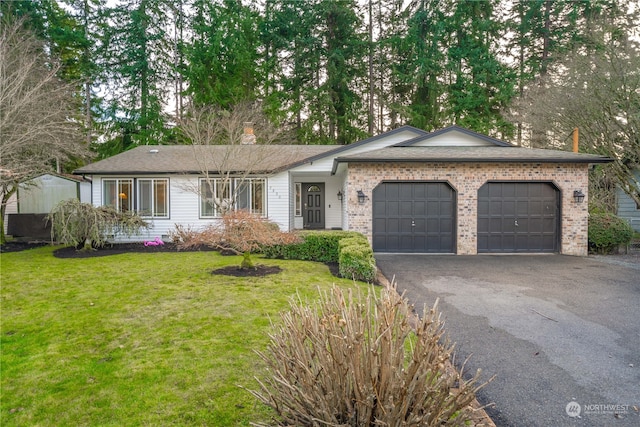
[(466, 179)]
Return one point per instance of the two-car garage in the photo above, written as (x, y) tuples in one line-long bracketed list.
[(420, 217), (454, 191)]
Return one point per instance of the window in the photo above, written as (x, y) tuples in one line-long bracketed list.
[(153, 200), (118, 194), (298, 201), (152, 196), (217, 196)]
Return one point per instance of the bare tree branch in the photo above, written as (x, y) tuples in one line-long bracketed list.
[(226, 152), (38, 112), (597, 91)]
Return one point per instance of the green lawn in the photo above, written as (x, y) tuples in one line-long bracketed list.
[(138, 339)]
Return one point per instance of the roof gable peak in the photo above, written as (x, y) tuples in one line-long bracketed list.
[(454, 136)]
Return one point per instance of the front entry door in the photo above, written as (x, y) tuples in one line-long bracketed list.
[(313, 205)]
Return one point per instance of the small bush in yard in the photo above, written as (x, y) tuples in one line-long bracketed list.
[(239, 232), (358, 362), (356, 259), (320, 246), (607, 232)]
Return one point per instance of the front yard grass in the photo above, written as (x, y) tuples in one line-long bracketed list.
[(138, 339)]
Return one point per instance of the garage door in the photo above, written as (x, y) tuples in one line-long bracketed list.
[(518, 217), (414, 217)]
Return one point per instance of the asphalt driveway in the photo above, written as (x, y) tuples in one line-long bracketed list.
[(561, 334)]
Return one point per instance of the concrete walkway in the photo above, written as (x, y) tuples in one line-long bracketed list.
[(561, 334)]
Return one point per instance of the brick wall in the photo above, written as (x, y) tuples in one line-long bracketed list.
[(466, 179)]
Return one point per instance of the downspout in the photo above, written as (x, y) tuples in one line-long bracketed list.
[(575, 140)]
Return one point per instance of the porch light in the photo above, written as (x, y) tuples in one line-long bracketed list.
[(361, 197), (340, 195), (578, 196)]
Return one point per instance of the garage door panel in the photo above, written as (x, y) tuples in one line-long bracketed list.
[(380, 224), (391, 192), (444, 207), (483, 207), (406, 208), (508, 207), (419, 225), (435, 191), (419, 208), (495, 209), (433, 209), (433, 224), (379, 209), (419, 192), (393, 209), (424, 213), (406, 192), (518, 217), (405, 225), (523, 207), (495, 191)]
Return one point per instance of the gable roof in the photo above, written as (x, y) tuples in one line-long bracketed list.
[(454, 128), (181, 159), (264, 159), (497, 154)]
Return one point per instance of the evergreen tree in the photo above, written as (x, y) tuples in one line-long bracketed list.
[(344, 47), (137, 56), (479, 85), (222, 59), (315, 69), (423, 63)]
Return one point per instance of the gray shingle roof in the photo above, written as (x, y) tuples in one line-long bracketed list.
[(175, 159), (472, 154)]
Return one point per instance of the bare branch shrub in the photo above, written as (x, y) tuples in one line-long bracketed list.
[(242, 232), (86, 226), (358, 362), (239, 232), (187, 237)]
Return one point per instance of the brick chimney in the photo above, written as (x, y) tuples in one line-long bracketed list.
[(248, 137)]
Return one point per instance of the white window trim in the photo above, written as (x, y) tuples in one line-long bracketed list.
[(298, 199), (234, 183), (153, 204), (117, 182)]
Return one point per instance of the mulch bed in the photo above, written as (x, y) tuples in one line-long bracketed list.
[(18, 246), (257, 271), (124, 248)]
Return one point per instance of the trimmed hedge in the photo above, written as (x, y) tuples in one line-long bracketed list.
[(607, 232), (351, 250), (321, 246), (356, 260)]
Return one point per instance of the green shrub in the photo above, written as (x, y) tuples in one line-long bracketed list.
[(321, 246), (356, 260), (607, 232), (351, 250), (355, 361)]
